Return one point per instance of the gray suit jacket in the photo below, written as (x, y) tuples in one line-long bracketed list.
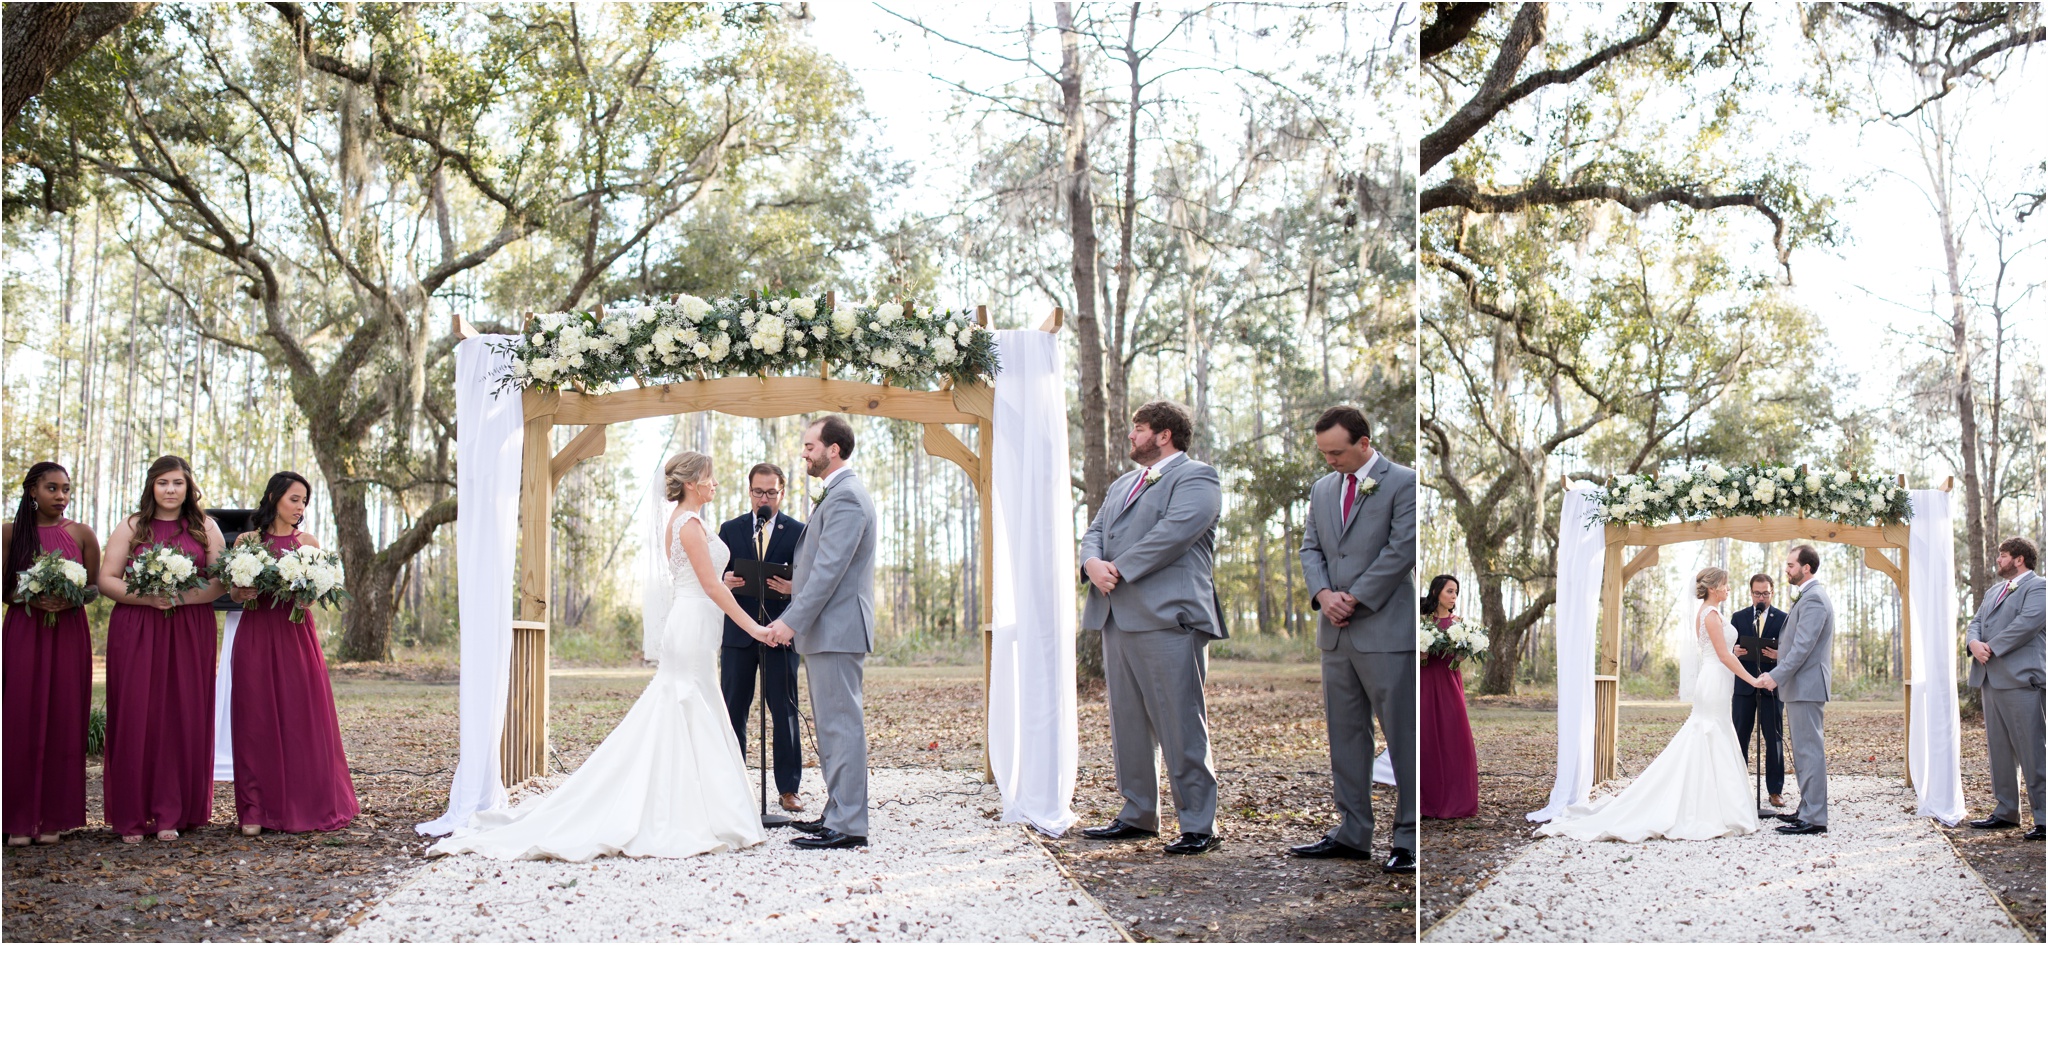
[(1372, 558), (2013, 631), (1806, 653), (832, 581), (1164, 545)]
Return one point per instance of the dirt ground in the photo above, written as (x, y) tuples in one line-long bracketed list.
[(399, 726), (1517, 742)]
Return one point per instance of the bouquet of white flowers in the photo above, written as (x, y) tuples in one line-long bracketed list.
[(161, 571), (303, 576), (1458, 640), (52, 576)]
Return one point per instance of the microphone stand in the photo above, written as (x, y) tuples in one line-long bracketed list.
[(761, 617)]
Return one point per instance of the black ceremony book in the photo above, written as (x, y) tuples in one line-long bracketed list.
[(756, 573)]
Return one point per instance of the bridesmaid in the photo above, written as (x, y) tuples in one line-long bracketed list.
[(160, 668), (48, 682), (290, 771), (1449, 762)]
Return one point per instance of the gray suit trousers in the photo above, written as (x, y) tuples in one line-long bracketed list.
[(2014, 732), (842, 738), (1809, 758), (1155, 697), (1358, 687)]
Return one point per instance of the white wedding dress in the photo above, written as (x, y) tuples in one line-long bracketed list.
[(1699, 787), (668, 781)]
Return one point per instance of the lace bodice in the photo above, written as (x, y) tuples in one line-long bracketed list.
[(682, 578)]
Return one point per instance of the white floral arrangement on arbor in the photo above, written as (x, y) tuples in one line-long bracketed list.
[(690, 338), (1712, 491)]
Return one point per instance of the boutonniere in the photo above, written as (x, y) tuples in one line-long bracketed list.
[(1152, 475), (1366, 488), (817, 498), (2011, 584), (1796, 593)]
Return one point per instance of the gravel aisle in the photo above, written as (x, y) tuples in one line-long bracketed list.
[(1880, 873), (940, 870)]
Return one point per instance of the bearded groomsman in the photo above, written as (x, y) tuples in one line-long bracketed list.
[(1149, 560), (1358, 557), (2006, 645)]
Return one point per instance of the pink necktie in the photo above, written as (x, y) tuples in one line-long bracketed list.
[(1135, 487), (1350, 494), (2002, 593)]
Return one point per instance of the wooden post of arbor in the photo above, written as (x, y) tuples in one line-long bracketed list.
[(1872, 539), (524, 746)]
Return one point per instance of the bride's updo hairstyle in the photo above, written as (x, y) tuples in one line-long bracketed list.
[(683, 469), (1710, 578)]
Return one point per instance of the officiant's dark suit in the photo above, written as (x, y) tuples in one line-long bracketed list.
[(742, 655), (1757, 707)]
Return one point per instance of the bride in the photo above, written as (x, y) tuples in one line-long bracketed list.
[(670, 779), (1698, 788)]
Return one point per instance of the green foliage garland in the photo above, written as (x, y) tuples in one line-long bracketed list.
[(1713, 492), (690, 338)]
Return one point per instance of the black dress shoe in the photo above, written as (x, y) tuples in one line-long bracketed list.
[(829, 839), (1801, 827), (1194, 844), (1116, 829), (1399, 861), (2033, 834), (1992, 823), (1329, 849), (810, 827)]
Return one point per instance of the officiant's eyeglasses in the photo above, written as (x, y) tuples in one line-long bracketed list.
[(762, 494)]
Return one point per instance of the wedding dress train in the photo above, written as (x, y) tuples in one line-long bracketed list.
[(1698, 787), (668, 781)]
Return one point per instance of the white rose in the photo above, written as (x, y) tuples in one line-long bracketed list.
[(806, 308), (701, 350), (694, 307), (966, 337), (73, 572), (889, 312), (1785, 475), (1766, 490), (747, 317), (952, 329), (643, 314), (1716, 472)]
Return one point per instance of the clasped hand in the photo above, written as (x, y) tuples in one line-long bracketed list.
[(1338, 606), (1980, 652), (1765, 682), (1104, 575), (775, 634)]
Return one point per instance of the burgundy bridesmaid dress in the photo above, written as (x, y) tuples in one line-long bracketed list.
[(290, 771), (1449, 763), (47, 698), (159, 767)]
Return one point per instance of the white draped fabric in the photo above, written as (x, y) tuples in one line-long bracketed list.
[(490, 449), (1935, 755), (1581, 559), (1033, 736), (223, 692)]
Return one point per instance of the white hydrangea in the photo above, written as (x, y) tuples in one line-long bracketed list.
[(844, 320), (806, 309), (889, 312), (694, 307)]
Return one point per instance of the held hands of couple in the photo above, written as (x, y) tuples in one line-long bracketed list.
[(777, 634)]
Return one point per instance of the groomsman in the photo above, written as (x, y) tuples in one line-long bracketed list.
[(1358, 557), (1149, 561), (1754, 624), (2006, 646), (767, 535)]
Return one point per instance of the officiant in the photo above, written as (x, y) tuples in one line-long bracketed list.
[(767, 535), (1756, 639)]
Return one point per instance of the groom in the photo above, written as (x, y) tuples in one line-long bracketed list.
[(831, 620), (1805, 667)]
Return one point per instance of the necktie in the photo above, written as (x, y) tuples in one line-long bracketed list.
[(2002, 592), (1135, 487), (1350, 494)]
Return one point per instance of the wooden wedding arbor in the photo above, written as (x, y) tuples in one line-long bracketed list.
[(523, 746), (1754, 529)]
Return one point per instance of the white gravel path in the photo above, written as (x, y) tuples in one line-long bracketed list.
[(939, 869), (1880, 873)]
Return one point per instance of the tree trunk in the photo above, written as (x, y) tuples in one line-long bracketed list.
[(1959, 343), (42, 39), (1080, 188)]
